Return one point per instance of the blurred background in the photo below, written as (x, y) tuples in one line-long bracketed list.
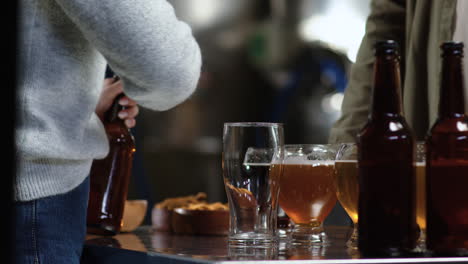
[(263, 60)]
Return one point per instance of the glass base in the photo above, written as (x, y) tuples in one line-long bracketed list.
[(307, 236), (252, 240), (252, 253), (283, 233), (352, 242), (353, 253), (306, 253), (421, 243)]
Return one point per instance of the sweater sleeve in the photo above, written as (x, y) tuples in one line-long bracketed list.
[(386, 21), (153, 52)]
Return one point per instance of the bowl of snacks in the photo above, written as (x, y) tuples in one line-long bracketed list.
[(201, 219), (191, 215)]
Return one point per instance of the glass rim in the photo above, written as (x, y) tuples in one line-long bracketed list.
[(252, 124), (310, 145)]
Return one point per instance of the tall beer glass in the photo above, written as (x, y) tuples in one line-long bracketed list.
[(347, 186), (420, 172), (252, 156), (307, 191)]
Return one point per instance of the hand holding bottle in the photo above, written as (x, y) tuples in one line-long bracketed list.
[(112, 87)]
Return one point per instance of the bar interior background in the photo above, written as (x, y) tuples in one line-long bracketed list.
[(263, 60)]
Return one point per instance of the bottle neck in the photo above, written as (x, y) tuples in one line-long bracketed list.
[(452, 88), (112, 115), (386, 99)]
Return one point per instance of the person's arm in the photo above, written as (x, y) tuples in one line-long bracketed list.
[(386, 21), (154, 53)]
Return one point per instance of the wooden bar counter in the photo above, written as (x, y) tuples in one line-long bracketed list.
[(145, 245)]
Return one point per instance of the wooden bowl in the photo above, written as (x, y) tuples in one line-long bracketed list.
[(134, 214), (161, 219), (200, 222)]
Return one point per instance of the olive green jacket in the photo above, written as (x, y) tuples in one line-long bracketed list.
[(420, 26)]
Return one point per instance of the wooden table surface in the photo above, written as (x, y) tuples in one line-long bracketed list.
[(145, 245)]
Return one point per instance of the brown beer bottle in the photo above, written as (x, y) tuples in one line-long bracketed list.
[(110, 177), (447, 162), (387, 222)]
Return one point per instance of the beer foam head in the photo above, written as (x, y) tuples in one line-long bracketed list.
[(258, 164), (346, 161), (305, 161), (260, 155)]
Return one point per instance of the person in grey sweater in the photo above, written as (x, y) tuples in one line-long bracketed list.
[(64, 47)]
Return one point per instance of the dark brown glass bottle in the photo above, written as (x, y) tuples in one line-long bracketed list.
[(110, 177), (447, 162), (387, 221)]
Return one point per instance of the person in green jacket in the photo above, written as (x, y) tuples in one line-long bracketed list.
[(419, 26)]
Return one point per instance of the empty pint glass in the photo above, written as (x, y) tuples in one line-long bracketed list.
[(252, 157)]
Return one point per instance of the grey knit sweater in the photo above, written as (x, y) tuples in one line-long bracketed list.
[(64, 46)]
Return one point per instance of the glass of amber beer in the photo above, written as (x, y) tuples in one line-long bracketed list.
[(252, 157), (307, 191), (347, 186), (421, 194)]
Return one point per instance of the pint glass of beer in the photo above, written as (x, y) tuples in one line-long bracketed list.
[(421, 194), (252, 157), (347, 186), (307, 191)]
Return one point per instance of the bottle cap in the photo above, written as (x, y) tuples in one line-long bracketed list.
[(452, 48), (386, 47)]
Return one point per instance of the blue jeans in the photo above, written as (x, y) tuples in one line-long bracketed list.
[(52, 230)]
